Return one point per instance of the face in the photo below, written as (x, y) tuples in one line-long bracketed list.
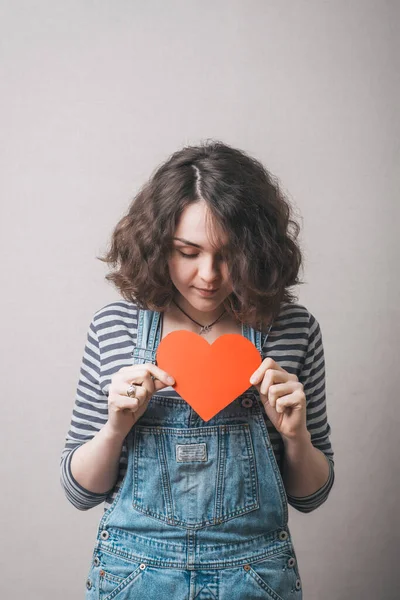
[(194, 265)]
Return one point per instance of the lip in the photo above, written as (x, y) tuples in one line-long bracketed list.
[(204, 292)]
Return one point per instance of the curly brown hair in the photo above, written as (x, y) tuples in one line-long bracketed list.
[(244, 201)]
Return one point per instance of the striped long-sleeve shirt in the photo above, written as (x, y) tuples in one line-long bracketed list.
[(294, 341)]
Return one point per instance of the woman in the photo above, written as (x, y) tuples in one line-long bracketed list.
[(197, 509)]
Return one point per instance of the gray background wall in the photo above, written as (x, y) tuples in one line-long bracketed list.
[(94, 95)]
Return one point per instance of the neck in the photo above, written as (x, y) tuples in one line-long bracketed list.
[(203, 317)]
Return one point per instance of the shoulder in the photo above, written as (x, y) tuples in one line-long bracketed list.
[(295, 325), (115, 319), (302, 331), (120, 310), (114, 329), (295, 315), (289, 341)]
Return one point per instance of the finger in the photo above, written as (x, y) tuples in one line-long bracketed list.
[(148, 386), (290, 401), (124, 403), (267, 363), (277, 390), (271, 377), (145, 386), (139, 372), (153, 384), (143, 382), (141, 391)]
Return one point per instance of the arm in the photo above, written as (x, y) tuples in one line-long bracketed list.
[(90, 459), (95, 464), (308, 467), (305, 468)]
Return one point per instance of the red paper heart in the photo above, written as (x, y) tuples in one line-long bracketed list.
[(208, 376)]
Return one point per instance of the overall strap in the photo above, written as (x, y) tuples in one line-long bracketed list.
[(264, 337), (149, 334), (255, 336), (148, 337)]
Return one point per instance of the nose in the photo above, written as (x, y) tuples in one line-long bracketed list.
[(209, 270)]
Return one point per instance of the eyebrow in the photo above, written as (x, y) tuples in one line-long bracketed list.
[(188, 243)]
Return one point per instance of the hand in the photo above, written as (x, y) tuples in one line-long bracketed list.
[(283, 398), (124, 411)]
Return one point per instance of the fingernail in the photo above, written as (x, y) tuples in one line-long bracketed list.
[(171, 380), (252, 379)]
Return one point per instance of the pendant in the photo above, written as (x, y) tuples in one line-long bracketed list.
[(205, 329)]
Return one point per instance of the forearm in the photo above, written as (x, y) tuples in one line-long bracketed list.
[(305, 468), (95, 464)]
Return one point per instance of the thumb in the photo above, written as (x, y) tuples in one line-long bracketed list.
[(159, 385)]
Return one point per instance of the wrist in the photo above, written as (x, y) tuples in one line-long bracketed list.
[(112, 436), (300, 440)]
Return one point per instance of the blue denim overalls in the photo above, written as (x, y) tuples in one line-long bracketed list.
[(202, 511)]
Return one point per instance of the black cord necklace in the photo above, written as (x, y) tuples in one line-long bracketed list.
[(204, 328)]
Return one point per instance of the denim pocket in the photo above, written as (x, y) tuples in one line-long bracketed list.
[(117, 576), (277, 576), (194, 477)]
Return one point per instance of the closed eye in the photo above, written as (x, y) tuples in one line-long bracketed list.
[(187, 255), (220, 258)]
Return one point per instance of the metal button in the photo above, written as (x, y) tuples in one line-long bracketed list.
[(246, 567), (96, 561), (298, 584), (291, 562), (142, 566), (283, 536), (88, 584), (104, 535), (247, 402)]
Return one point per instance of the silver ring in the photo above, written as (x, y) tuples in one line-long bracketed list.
[(152, 377), (131, 391)]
